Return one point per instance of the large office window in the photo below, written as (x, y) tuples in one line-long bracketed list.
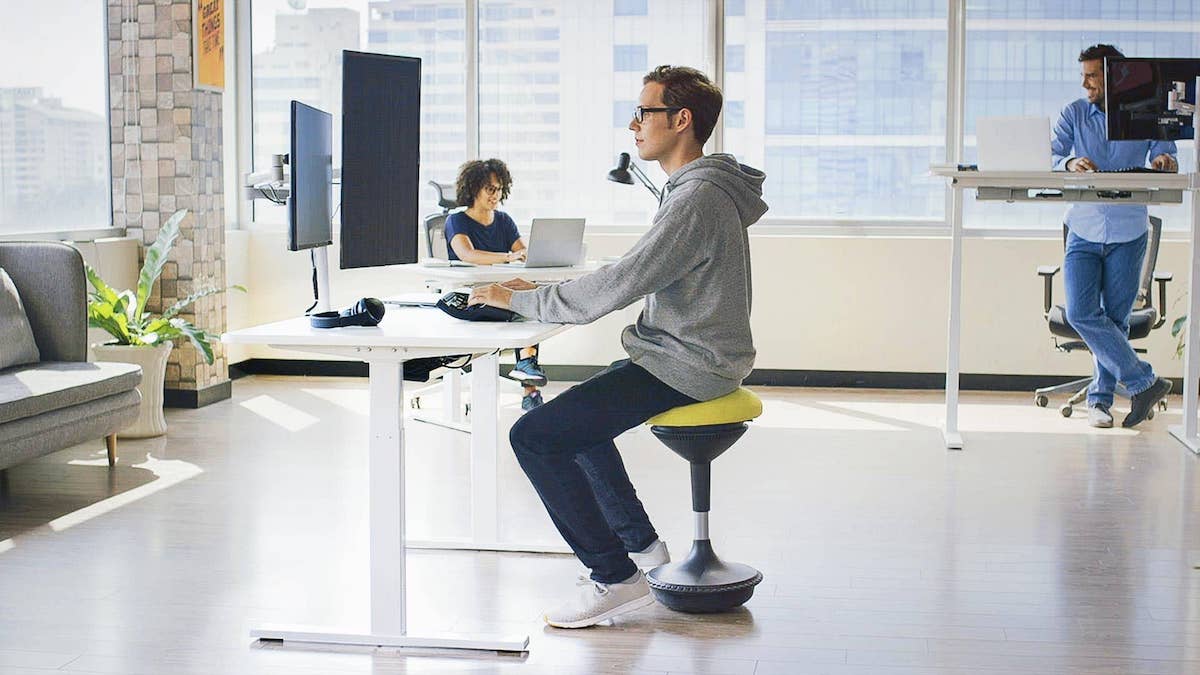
[(551, 106), (842, 104), (1022, 60), (54, 139), (297, 54)]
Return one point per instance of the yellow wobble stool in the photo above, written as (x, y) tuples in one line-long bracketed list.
[(699, 433)]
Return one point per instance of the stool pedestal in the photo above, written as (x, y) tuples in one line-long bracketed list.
[(702, 582)]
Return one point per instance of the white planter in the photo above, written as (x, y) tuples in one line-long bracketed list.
[(153, 360)]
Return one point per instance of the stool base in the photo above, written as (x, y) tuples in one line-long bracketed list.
[(702, 582)]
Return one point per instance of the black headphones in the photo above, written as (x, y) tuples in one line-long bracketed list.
[(365, 312)]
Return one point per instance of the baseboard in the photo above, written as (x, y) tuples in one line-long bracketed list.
[(842, 379), (197, 398)]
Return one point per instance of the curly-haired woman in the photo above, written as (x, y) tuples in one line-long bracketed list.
[(484, 235)]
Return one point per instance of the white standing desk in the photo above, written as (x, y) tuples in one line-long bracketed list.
[(1062, 186), (407, 333)]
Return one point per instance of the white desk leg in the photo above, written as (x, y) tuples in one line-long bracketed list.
[(954, 334), (1186, 433), (386, 498), (452, 394), (485, 443)]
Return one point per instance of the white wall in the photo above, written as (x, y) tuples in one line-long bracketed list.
[(820, 303)]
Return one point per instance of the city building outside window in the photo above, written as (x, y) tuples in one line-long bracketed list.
[(55, 155)]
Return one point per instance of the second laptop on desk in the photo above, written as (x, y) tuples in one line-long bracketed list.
[(554, 242)]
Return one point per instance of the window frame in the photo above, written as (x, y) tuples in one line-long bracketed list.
[(715, 45), (87, 233)]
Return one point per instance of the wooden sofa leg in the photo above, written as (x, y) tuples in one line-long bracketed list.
[(111, 441)]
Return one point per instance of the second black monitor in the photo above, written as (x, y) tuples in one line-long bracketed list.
[(381, 132)]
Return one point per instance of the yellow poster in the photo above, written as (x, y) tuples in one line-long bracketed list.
[(208, 40)]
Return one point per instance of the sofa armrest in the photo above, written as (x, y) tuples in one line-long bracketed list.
[(49, 276)]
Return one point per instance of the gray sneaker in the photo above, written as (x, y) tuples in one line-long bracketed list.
[(1099, 416), (596, 602), (652, 556)]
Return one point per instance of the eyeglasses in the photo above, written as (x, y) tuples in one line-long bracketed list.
[(492, 189), (639, 113)]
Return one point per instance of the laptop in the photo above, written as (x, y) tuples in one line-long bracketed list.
[(553, 242), (1013, 143)]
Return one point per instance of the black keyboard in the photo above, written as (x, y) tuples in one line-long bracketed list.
[(455, 304), (1134, 169)]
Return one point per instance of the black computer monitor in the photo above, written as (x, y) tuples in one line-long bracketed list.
[(311, 161), (381, 160), (1141, 95)]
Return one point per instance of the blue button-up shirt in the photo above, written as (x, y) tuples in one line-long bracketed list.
[(1082, 131)]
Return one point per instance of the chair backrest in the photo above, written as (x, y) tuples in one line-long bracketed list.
[(435, 236), (435, 223), (1148, 264)]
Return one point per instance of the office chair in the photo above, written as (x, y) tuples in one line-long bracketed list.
[(1145, 318), (435, 223)]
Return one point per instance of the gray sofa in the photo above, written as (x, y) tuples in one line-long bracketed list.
[(61, 400)]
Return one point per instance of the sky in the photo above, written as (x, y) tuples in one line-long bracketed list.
[(59, 45)]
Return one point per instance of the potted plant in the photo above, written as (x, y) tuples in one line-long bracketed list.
[(141, 337)]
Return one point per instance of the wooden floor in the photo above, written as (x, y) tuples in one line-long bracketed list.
[(1044, 547)]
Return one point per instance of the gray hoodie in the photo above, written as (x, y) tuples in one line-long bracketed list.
[(693, 268)]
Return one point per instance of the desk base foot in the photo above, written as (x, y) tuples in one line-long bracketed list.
[(953, 439), (1192, 444), (464, 427), (315, 636), (503, 547)]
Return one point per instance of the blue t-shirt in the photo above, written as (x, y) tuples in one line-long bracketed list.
[(498, 237)]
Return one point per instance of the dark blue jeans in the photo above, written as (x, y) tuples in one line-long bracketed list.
[(1101, 281), (566, 448)]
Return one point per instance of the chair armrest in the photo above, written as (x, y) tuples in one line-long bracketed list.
[(1047, 272)]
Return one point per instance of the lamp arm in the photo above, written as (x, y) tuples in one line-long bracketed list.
[(645, 180)]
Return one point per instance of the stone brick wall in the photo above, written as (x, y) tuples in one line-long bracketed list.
[(166, 152)]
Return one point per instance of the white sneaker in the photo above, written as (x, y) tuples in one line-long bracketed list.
[(598, 602), (652, 556), (1099, 416)]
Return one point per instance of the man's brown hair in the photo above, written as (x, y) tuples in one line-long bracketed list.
[(475, 174), (1098, 52), (689, 88)]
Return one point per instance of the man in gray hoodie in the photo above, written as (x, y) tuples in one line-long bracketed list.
[(691, 342)]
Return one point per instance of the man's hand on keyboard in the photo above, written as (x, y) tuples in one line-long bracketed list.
[(492, 294), (1164, 162), (1081, 164)]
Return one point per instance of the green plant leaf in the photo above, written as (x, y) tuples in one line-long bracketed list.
[(104, 292), (197, 336), (156, 257), (202, 293), (1178, 324)]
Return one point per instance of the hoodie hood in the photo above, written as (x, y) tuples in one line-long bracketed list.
[(742, 183)]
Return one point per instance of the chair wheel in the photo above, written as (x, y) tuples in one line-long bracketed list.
[(1066, 410), (1150, 415), (1162, 405), (416, 402), (1041, 400)]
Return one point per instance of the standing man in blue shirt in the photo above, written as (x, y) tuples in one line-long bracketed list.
[(1106, 244)]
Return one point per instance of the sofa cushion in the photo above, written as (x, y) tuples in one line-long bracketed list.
[(38, 388), (16, 336)]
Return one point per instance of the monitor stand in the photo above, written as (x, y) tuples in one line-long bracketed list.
[(321, 262)]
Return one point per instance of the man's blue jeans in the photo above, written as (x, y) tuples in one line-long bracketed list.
[(566, 448), (1102, 283)]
